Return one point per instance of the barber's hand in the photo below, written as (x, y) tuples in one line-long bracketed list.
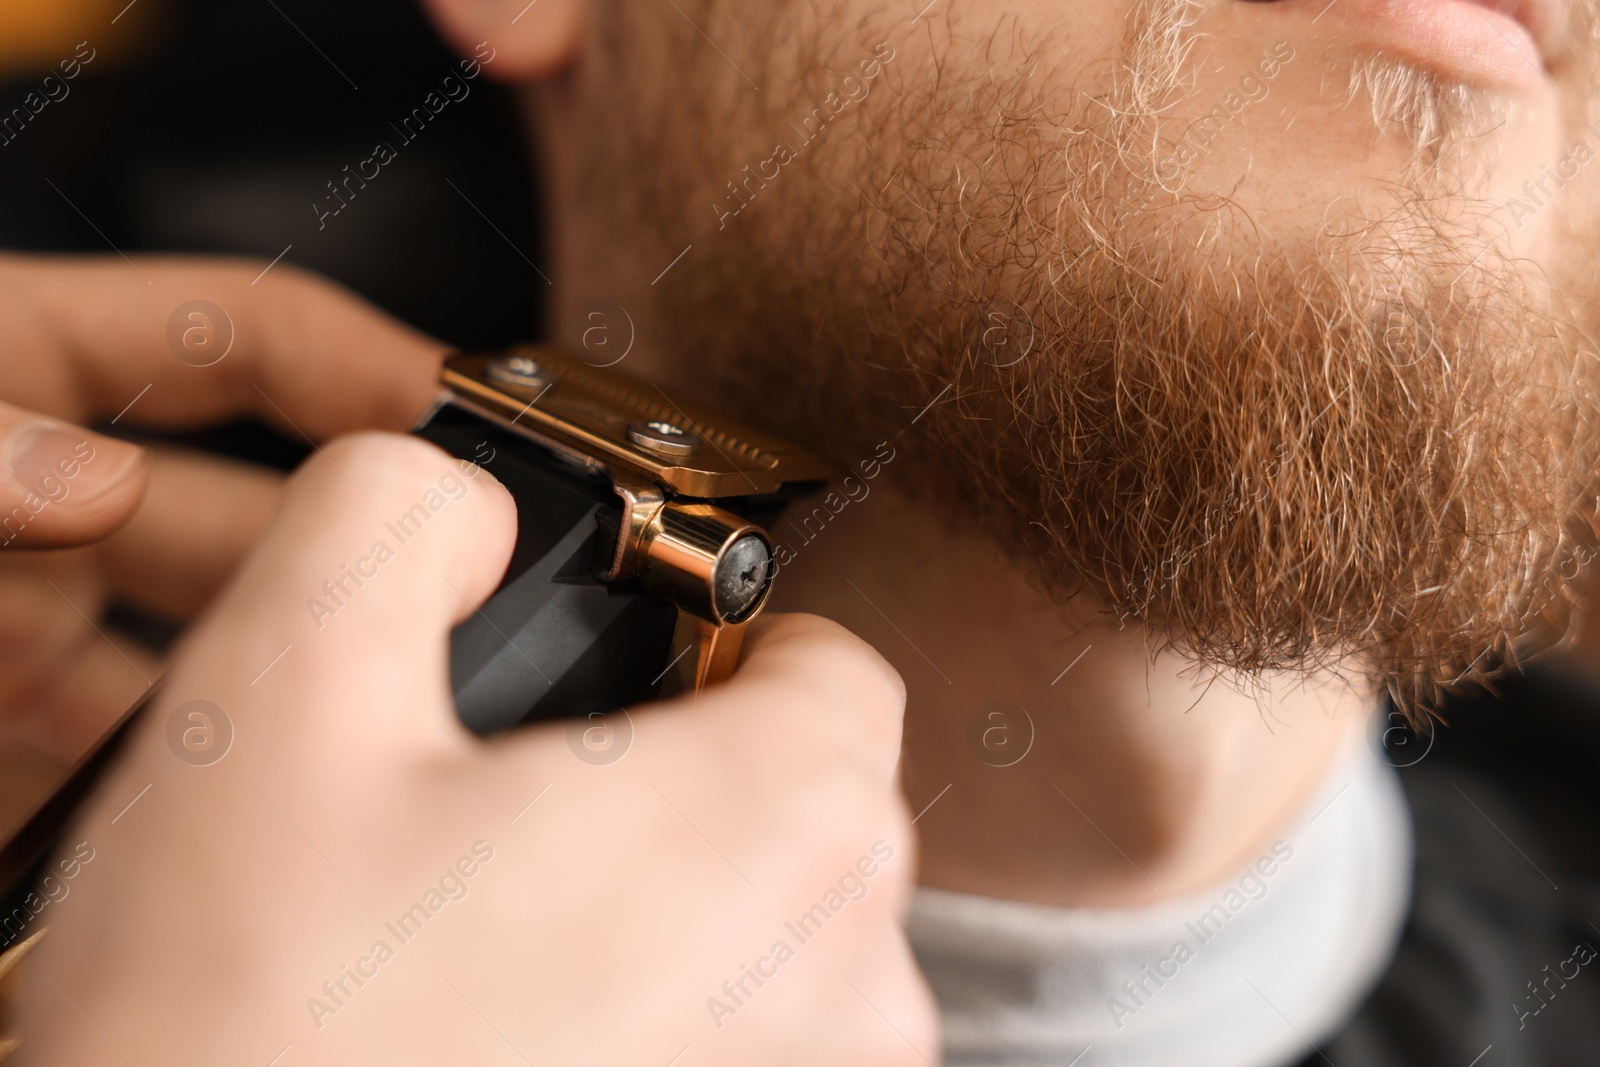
[(360, 881), (94, 339)]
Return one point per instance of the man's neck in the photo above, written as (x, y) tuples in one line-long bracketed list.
[(1051, 760)]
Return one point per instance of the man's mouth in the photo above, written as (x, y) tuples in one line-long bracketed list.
[(1504, 42)]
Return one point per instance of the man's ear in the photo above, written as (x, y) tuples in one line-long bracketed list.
[(529, 39)]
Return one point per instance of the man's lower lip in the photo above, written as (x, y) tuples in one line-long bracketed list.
[(1457, 39)]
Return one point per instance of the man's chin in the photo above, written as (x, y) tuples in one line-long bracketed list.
[(1352, 463)]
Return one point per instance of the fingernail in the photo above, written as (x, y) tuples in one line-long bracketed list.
[(63, 462), (470, 469)]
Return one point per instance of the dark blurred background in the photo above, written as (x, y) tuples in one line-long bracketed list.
[(214, 126)]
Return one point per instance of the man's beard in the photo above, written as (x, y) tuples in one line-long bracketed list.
[(1372, 450)]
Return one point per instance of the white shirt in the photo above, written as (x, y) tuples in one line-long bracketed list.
[(1251, 973)]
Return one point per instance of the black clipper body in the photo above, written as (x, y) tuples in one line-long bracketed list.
[(640, 552)]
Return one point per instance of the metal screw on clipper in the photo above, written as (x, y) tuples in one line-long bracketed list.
[(517, 370), (666, 438), (741, 576)]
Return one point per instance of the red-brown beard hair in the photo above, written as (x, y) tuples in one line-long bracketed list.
[(1373, 452)]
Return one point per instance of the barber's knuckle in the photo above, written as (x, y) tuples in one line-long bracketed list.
[(835, 767), (874, 684), (857, 827), (856, 750), (923, 1033), (810, 814), (866, 682), (824, 822), (849, 813), (888, 1049), (913, 1038)]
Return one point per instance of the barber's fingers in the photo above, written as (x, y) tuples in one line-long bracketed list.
[(91, 684), (62, 485), (806, 684), (200, 518), (187, 341), (341, 617)]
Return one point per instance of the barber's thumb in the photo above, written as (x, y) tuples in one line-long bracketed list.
[(807, 680), (61, 485), (382, 544)]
